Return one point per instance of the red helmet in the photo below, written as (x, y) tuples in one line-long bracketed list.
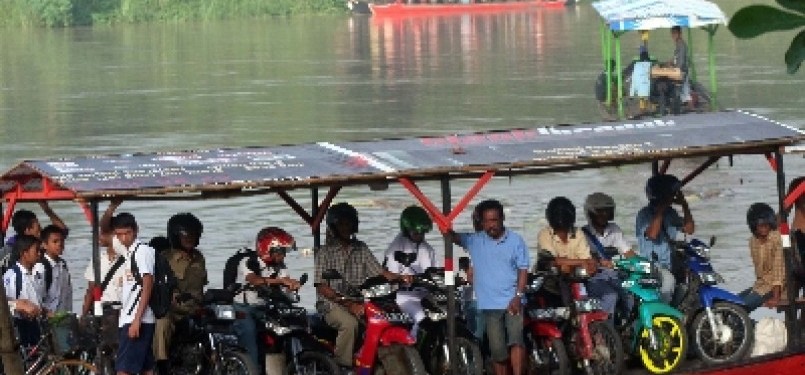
[(272, 239)]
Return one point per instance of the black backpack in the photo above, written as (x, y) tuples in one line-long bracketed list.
[(232, 264), (164, 284)]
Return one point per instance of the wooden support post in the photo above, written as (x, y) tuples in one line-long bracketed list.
[(449, 276), (791, 321), (315, 230)]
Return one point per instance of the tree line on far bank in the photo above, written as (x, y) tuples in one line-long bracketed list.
[(62, 13)]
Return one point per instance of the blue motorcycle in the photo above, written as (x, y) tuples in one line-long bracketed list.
[(719, 326)]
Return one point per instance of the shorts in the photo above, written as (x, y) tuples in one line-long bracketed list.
[(135, 355), (503, 330)]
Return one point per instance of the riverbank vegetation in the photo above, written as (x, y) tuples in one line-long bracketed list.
[(61, 13)]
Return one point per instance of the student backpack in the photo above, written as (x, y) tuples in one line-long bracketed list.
[(164, 284), (232, 264)]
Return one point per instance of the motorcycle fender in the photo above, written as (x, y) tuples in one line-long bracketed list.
[(648, 310), (546, 329), (396, 335), (709, 295)]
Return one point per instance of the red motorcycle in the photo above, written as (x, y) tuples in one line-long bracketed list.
[(546, 350), (594, 342), (387, 346)]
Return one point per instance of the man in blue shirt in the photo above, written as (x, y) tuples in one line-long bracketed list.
[(500, 259), (658, 223)]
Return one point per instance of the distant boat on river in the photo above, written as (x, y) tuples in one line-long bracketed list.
[(424, 7)]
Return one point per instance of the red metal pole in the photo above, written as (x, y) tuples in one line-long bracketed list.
[(474, 190), (793, 196), (441, 220)]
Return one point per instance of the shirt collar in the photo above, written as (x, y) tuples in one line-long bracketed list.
[(501, 239)]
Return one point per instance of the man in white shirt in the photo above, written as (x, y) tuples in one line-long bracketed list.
[(602, 233), (414, 224), (58, 287), (136, 325), (112, 266), (25, 288)]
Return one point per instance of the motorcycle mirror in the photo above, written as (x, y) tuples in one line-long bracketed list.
[(712, 240), (303, 279), (331, 274), (406, 259), (463, 263)]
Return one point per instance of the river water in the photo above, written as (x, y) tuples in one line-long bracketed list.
[(274, 81)]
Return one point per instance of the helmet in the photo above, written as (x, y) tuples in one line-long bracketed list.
[(760, 213), (662, 187), (600, 201), (271, 240), (561, 213), (342, 211), (183, 223), (415, 219)]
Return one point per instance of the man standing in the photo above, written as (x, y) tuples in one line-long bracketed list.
[(500, 259), (680, 60), (111, 265), (136, 325)]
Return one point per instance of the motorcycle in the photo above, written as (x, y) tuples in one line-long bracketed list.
[(652, 330), (720, 328), (432, 340), (546, 350), (286, 332), (387, 346), (594, 344), (205, 342)]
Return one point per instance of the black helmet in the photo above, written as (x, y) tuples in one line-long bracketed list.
[(186, 223), (760, 213), (342, 211), (661, 187), (561, 213)]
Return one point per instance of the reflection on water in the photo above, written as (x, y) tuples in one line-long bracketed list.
[(194, 86)]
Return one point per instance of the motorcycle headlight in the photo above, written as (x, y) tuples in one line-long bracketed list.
[(702, 251), (224, 312), (589, 304), (710, 278), (435, 316), (377, 291), (277, 328)]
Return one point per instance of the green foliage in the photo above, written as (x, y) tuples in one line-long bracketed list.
[(56, 13), (755, 20)]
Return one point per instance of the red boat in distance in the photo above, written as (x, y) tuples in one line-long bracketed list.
[(403, 8)]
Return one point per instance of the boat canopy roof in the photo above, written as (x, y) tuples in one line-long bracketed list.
[(631, 15), (535, 150)]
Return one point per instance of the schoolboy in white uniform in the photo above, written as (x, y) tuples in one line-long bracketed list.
[(25, 288), (59, 293)]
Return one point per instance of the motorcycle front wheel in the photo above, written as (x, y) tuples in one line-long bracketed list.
[(672, 344), (547, 357), (607, 349), (235, 363), (313, 363), (730, 341)]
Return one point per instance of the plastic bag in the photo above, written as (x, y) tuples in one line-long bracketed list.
[(770, 336)]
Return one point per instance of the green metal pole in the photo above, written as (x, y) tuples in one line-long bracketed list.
[(608, 58), (691, 64), (620, 74), (711, 62)]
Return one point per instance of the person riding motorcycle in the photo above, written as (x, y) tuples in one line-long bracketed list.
[(355, 262), (602, 233), (657, 224), (414, 224), (272, 244), (189, 267)]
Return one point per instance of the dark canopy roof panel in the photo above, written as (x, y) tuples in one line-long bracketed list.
[(540, 149)]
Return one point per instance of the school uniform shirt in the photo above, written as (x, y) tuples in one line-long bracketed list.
[(144, 256), (59, 297), (113, 291), (275, 271), (32, 288), (612, 237), (426, 256)]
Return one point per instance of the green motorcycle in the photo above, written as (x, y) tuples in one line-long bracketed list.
[(653, 330)]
